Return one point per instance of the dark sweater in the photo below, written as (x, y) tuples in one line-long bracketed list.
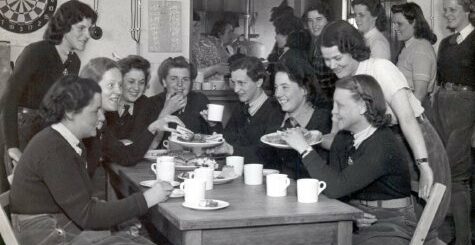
[(244, 135), (36, 69), (191, 116), (130, 126), (456, 62), (105, 147), (291, 163), (379, 170), (51, 178)]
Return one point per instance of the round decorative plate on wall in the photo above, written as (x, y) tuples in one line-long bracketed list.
[(25, 16)]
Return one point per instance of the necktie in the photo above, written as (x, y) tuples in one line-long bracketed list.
[(290, 122), (83, 152), (350, 148), (453, 38), (246, 112), (67, 63), (126, 111)]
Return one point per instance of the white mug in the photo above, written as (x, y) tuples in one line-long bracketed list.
[(237, 162), (164, 168), (215, 112), (276, 185), (309, 189), (253, 174), (194, 190), (206, 174)]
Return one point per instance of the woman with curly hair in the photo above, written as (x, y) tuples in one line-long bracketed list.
[(371, 21), (368, 165), (39, 66), (345, 52), (417, 60), (304, 106)]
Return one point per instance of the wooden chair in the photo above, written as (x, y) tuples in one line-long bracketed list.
[(6, 229), (428, 214)]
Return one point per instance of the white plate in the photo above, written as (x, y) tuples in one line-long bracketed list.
[(270, 171), (216, 181), (152, 155), (150, 183), (177, 193), (211, 143), (316, 139), (221, 204)]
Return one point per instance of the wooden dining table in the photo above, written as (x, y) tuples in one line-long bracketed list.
[(251, 218)]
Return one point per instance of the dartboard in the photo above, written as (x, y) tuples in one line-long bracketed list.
[(25, 16)]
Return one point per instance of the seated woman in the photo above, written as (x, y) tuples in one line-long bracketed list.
[(304, 107), (51, 194), (128, 120), (176, 75), (367, 163), (105, 146)]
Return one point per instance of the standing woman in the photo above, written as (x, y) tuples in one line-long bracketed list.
[(345, 52), (39, 66), (454, 106), (417, 60), (317, 16), (371, 21)]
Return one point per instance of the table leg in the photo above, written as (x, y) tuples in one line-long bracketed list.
[(345, 230)]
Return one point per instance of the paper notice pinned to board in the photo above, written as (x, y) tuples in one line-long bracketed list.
[(165, 26)]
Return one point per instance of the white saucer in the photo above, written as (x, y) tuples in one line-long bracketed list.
[(177, 193), (150, 183), (221, 204)]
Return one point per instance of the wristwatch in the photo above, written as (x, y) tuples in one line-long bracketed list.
[(305, 152)]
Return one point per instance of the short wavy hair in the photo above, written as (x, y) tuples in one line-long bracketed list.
[(176, 62), (414, 15), (376, 10), (68, 14), (96, 68), (69, 94), (367, 89), (322, 8), (254, 67), (303, 79), (288, 24), (347, 38), (468, 6), (135, 62), (219, 28)]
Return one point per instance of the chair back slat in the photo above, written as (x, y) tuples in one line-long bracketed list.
[(428, 214), (6, 229)]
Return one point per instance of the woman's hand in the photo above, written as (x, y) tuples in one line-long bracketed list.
[(425, 181), (295, 139), (173, 103), (204, 115), (158, 193), (163, 124), (366, 221), (224, 148)]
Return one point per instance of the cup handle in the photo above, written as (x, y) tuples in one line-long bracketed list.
[(322, 185), (287, 182), (154, 167), (166, 144), (182, 186)]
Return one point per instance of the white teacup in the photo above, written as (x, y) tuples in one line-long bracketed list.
[(215, 112), (194, 190), (253, 174), (237, 162), (164, 168), (277, 184), (309, 189), (206, 174)]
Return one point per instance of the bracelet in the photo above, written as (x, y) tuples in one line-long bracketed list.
[(420, 161)]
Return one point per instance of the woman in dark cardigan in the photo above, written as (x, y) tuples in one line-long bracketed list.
[(105, 146), (304, 106), (39, 65), (51, 195), (367, 166)]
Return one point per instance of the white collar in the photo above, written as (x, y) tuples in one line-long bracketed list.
[(411, 40), (257, 103), (363, 135), (465, 32), (371, 33), (68, 136), (302, 115)]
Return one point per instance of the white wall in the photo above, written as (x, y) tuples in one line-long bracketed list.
[(114, 18)]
